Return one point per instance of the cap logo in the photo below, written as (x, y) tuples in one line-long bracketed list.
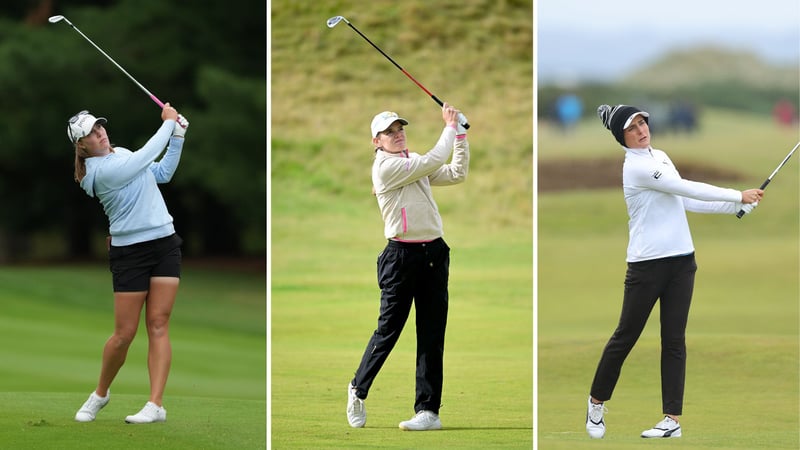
[(82, 120)]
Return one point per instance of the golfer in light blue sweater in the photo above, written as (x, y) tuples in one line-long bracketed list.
[(144, 251)]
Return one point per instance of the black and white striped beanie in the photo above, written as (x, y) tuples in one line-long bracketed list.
[(619, 117)]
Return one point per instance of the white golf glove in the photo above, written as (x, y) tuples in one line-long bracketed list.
[(180, 126), (748, 208), (460, 128)]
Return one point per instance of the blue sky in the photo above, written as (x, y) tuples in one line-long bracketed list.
[(584, 39)]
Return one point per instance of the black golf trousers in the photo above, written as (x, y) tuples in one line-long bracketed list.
[(409, 272), (672, 281)]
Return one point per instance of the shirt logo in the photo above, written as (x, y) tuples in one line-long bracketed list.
[(657, 174)]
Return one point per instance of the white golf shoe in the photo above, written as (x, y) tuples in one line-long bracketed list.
[(423, 421), (91, 407), (667, 428), (356, 411), (149, 414), (595, 425)]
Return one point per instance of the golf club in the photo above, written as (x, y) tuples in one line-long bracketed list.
[(766, 182), (333, 21), (56, 19)]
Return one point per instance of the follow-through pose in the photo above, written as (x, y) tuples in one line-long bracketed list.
[(661, 263), (414, 266), (144, 251)]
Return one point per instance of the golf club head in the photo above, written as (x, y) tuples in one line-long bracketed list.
[(333, 21), (56, 19)]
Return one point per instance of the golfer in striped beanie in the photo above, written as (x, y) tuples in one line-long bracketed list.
[(661, 263)]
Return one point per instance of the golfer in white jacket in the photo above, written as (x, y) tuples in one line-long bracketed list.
[(661, 263)]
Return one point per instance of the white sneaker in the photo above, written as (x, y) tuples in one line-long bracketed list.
[(93, 405), (423, 421), (149, 414), (356, 411), (594, 420), (667, 428)]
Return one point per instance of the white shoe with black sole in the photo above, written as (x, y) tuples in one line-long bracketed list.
[(595, 425), (667, 428)]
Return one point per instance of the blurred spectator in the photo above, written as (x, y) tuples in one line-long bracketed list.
[(569, 108), (784, 113), (683, 117)]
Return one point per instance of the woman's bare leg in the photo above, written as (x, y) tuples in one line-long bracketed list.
[(157, 313), (127, 309)]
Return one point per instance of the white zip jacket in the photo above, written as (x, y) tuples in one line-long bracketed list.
[(402, 184), (658, 198)]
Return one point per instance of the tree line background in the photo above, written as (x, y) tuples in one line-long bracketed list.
[(208, 59)]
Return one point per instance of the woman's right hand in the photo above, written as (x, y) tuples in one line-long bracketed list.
[(450, 115), (752, 196), (168, 112)]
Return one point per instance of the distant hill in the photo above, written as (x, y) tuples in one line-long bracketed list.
[(703, 76), (713, 65)]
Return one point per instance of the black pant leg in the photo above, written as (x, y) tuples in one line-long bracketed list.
[(395, 278), (642, 289), (675, 303), (431, 303)]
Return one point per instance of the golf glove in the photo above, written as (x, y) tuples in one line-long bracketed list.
[(748, 208), (460, 128), (180, 126)]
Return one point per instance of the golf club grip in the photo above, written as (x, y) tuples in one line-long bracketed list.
[(155, 99), (740, 214), (440, 103)]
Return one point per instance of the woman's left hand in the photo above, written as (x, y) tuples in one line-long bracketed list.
[(168, 112)]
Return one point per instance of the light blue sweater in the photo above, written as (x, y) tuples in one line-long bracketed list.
[(126, 184)]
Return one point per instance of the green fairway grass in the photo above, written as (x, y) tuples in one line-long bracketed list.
[(742, 337), (326, 230), (324, 305), (55, 322)]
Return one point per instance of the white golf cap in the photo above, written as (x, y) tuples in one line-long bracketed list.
[(384, 120), (81, 124), (633, 116)]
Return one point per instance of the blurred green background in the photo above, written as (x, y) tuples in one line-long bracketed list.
[(206, 59)]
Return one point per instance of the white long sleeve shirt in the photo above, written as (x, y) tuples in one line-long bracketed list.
[(403, 183), (658, 198)]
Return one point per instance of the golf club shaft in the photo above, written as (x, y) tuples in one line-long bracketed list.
[(435, 98), (150, 94), (774, 172)]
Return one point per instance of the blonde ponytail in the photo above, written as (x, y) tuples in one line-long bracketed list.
[(80, 163)]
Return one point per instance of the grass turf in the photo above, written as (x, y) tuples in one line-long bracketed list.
[(324, 304), (55, 322)]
